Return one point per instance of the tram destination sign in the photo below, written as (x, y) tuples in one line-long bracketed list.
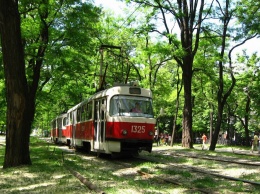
[(133, 90)]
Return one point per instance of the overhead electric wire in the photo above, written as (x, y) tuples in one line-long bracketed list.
[(128, 18)]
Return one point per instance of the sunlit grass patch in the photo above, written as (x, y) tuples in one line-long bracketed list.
[(207, 163), (252, 176)]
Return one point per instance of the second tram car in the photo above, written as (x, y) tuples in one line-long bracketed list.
[(116, 120), (58, 131)]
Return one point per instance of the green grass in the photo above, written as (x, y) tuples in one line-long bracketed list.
[(46, 175), (206, 182), (49, 174)]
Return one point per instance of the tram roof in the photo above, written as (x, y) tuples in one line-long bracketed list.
[(121, 90), (124, 90)]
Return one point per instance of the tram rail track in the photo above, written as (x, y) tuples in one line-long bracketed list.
[(169, 179), (176, 182), (173, 181), (244, 162), (128, 165), (198, 170), (193, 169)]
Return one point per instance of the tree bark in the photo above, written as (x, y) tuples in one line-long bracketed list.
[(187, 111), (17, 122), (179, 89), (248, 101), (223, 96), (186, 22)]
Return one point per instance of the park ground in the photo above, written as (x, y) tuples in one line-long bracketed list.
[(60, 170)]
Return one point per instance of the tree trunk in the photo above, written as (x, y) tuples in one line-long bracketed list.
[(187, 111), (211, 122), (177, 106), (223, 96), (218, 126), (190, 43), (18, 126), (247, 120)]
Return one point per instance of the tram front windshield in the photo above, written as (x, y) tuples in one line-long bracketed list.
[(132, 106)]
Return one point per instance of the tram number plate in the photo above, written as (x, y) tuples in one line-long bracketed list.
[(138, 129)]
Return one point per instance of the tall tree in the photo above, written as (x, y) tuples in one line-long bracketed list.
[(226, 15), (18, 123), (189, 17), (189, 22), (26, 69), (204, 85)]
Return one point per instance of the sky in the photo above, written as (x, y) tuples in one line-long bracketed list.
[(117, 7), (114, 5)]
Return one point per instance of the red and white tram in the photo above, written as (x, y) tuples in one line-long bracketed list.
[(108, 122), (58, 131)]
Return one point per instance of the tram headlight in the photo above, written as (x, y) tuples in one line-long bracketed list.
[(151, 133), (124, 132)]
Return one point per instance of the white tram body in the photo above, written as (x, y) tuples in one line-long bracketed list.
[(105, 122)]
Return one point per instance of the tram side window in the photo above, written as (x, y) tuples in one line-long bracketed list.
[(78, 114), (64, 121), (102, 111), (54, 124), (113, 108), (70, 117), (89, 111), (59, 123), (83, 113)]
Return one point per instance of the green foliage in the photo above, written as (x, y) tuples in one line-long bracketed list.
[(247, 85), (248, 14), (76, 30), (69, 58), (151, 61)]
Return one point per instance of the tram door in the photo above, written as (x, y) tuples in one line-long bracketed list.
[(73, 122), (60, 129), (99, 123)]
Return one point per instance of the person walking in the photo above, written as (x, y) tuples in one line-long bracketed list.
[(204, 139), (259, 144), (166, 138), (170, 139), (254, 142)]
